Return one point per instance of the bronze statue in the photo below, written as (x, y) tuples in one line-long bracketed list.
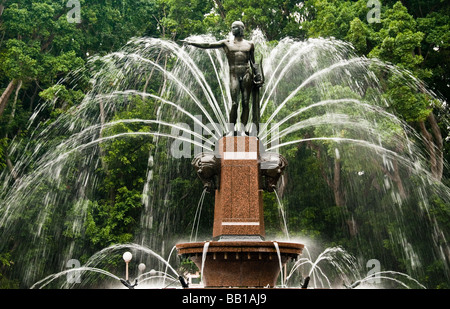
[(246, 76)]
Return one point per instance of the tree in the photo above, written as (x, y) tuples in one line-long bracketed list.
[(397, 39), (275, 19), (39, 47), (177, 19)]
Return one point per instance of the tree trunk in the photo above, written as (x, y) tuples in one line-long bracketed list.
[(397, 179), (33, 97), (335, 182), (6, 94), (337, 188), (150, 75), (47, 43), (13, 112), (434, 146), (393, 175), (2, 7), (9, 163), (352, 226), (439, 142), (102, 122), (162, 88), (221, 9)]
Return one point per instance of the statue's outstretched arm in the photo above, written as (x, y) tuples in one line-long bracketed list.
[(206, 45)]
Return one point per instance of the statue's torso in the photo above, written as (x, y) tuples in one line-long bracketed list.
[(238, 54)]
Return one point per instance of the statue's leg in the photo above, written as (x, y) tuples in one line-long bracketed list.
[(245, 110), (246, 92), (234, 91), (255, 108)]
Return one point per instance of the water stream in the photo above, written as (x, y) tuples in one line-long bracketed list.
[(282, 216), (280, 262), (204, 255), (197, 216), (47, 280)]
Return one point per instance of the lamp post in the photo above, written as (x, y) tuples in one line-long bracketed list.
[(127, 256)]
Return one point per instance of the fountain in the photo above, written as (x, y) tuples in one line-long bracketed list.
[(316, 93)]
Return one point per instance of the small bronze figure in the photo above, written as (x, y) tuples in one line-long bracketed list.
[(207, 166), (272, 167)]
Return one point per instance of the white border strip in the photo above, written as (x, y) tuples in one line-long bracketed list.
[(240, 223), (240, 155)]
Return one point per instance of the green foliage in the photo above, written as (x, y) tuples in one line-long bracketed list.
[(398, 38), (19, 60), (358, 35), (112, 219), (332, 18), (182, 18), (66, 97), (3, 150), (108, 223), (276, 19), (6, 263)]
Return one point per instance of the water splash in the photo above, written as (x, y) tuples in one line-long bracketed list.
[(389, 276), (280, 262), (342, 263), (318, 93), (100, 260), (204, 255), (47, 280)]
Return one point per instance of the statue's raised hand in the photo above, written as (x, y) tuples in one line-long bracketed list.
[(186, 42)]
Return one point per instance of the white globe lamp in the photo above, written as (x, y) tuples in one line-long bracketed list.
[(127, 256)]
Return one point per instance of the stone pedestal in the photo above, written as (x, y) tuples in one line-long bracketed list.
[(238, 201), (238, 256)]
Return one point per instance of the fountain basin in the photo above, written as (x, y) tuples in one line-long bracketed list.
[(239, 263)]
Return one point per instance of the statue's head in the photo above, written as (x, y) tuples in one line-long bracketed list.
[(237, 28)]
